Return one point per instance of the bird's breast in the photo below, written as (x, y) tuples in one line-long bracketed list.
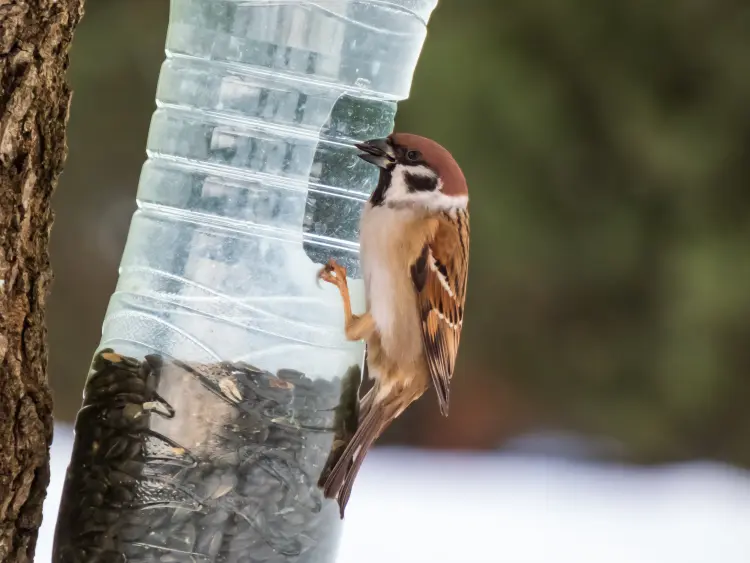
[(386, 259)]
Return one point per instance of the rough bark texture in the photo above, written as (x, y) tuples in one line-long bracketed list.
[(34, 100)]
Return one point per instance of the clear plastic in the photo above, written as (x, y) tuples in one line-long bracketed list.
[(209, 407)]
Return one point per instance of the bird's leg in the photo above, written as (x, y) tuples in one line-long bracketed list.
[(358, 327)]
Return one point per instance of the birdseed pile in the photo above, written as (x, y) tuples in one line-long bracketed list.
[(177, 462)]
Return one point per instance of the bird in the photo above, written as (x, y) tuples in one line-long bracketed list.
[(414, 256)]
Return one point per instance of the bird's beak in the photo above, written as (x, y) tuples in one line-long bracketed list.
[(378, 152)]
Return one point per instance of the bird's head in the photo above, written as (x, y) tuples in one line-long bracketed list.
[(415, 172)]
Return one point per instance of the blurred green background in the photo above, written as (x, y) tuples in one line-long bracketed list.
[(607, 148)]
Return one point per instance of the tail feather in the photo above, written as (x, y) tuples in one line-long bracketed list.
[(345, 421), (341, 479), (365, 403), (346, 488), (443, 390)]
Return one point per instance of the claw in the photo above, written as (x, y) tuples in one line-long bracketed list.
[(322, 273), (332, 273)]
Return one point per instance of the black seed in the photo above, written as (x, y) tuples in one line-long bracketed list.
[(133, 533), (182, 515), (132, 467), (154, 360), (209, 542), (91, 486), (118, 447), (106, 516), (122, 494), (119, 478), (224, 481)]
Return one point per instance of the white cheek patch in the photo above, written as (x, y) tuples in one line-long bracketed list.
[(398, 189), (399, 196), (420, 170)]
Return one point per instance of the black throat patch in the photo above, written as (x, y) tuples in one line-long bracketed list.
[(378, 196)]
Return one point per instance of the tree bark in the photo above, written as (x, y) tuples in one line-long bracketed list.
[(34, 101)]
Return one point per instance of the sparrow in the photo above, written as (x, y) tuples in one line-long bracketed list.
[(414, 254)]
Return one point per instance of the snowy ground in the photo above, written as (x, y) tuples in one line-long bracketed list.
[(502, 508)]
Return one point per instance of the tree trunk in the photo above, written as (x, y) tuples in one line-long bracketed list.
[(34, 99)]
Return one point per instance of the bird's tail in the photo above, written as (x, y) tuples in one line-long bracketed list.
[(375, 418)]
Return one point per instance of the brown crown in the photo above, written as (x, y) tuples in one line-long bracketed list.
[(438, 157)]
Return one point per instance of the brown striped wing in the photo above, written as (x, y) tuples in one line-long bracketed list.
[(440, 275)]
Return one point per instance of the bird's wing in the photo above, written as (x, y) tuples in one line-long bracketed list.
[(439, 275)]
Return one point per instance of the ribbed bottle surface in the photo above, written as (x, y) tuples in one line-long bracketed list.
[(209, 407)]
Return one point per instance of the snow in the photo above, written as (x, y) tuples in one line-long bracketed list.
[(412, 506)]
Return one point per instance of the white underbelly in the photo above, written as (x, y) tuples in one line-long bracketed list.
[(388, 287), (394, 309)]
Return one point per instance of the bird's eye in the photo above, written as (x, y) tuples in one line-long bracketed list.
[(413, 156)]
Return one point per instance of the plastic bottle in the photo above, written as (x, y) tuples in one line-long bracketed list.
[(209, 408)]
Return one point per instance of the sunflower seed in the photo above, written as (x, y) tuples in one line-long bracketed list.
[(166, 470)]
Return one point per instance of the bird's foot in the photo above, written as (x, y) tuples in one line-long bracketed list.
[(333, 273)]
